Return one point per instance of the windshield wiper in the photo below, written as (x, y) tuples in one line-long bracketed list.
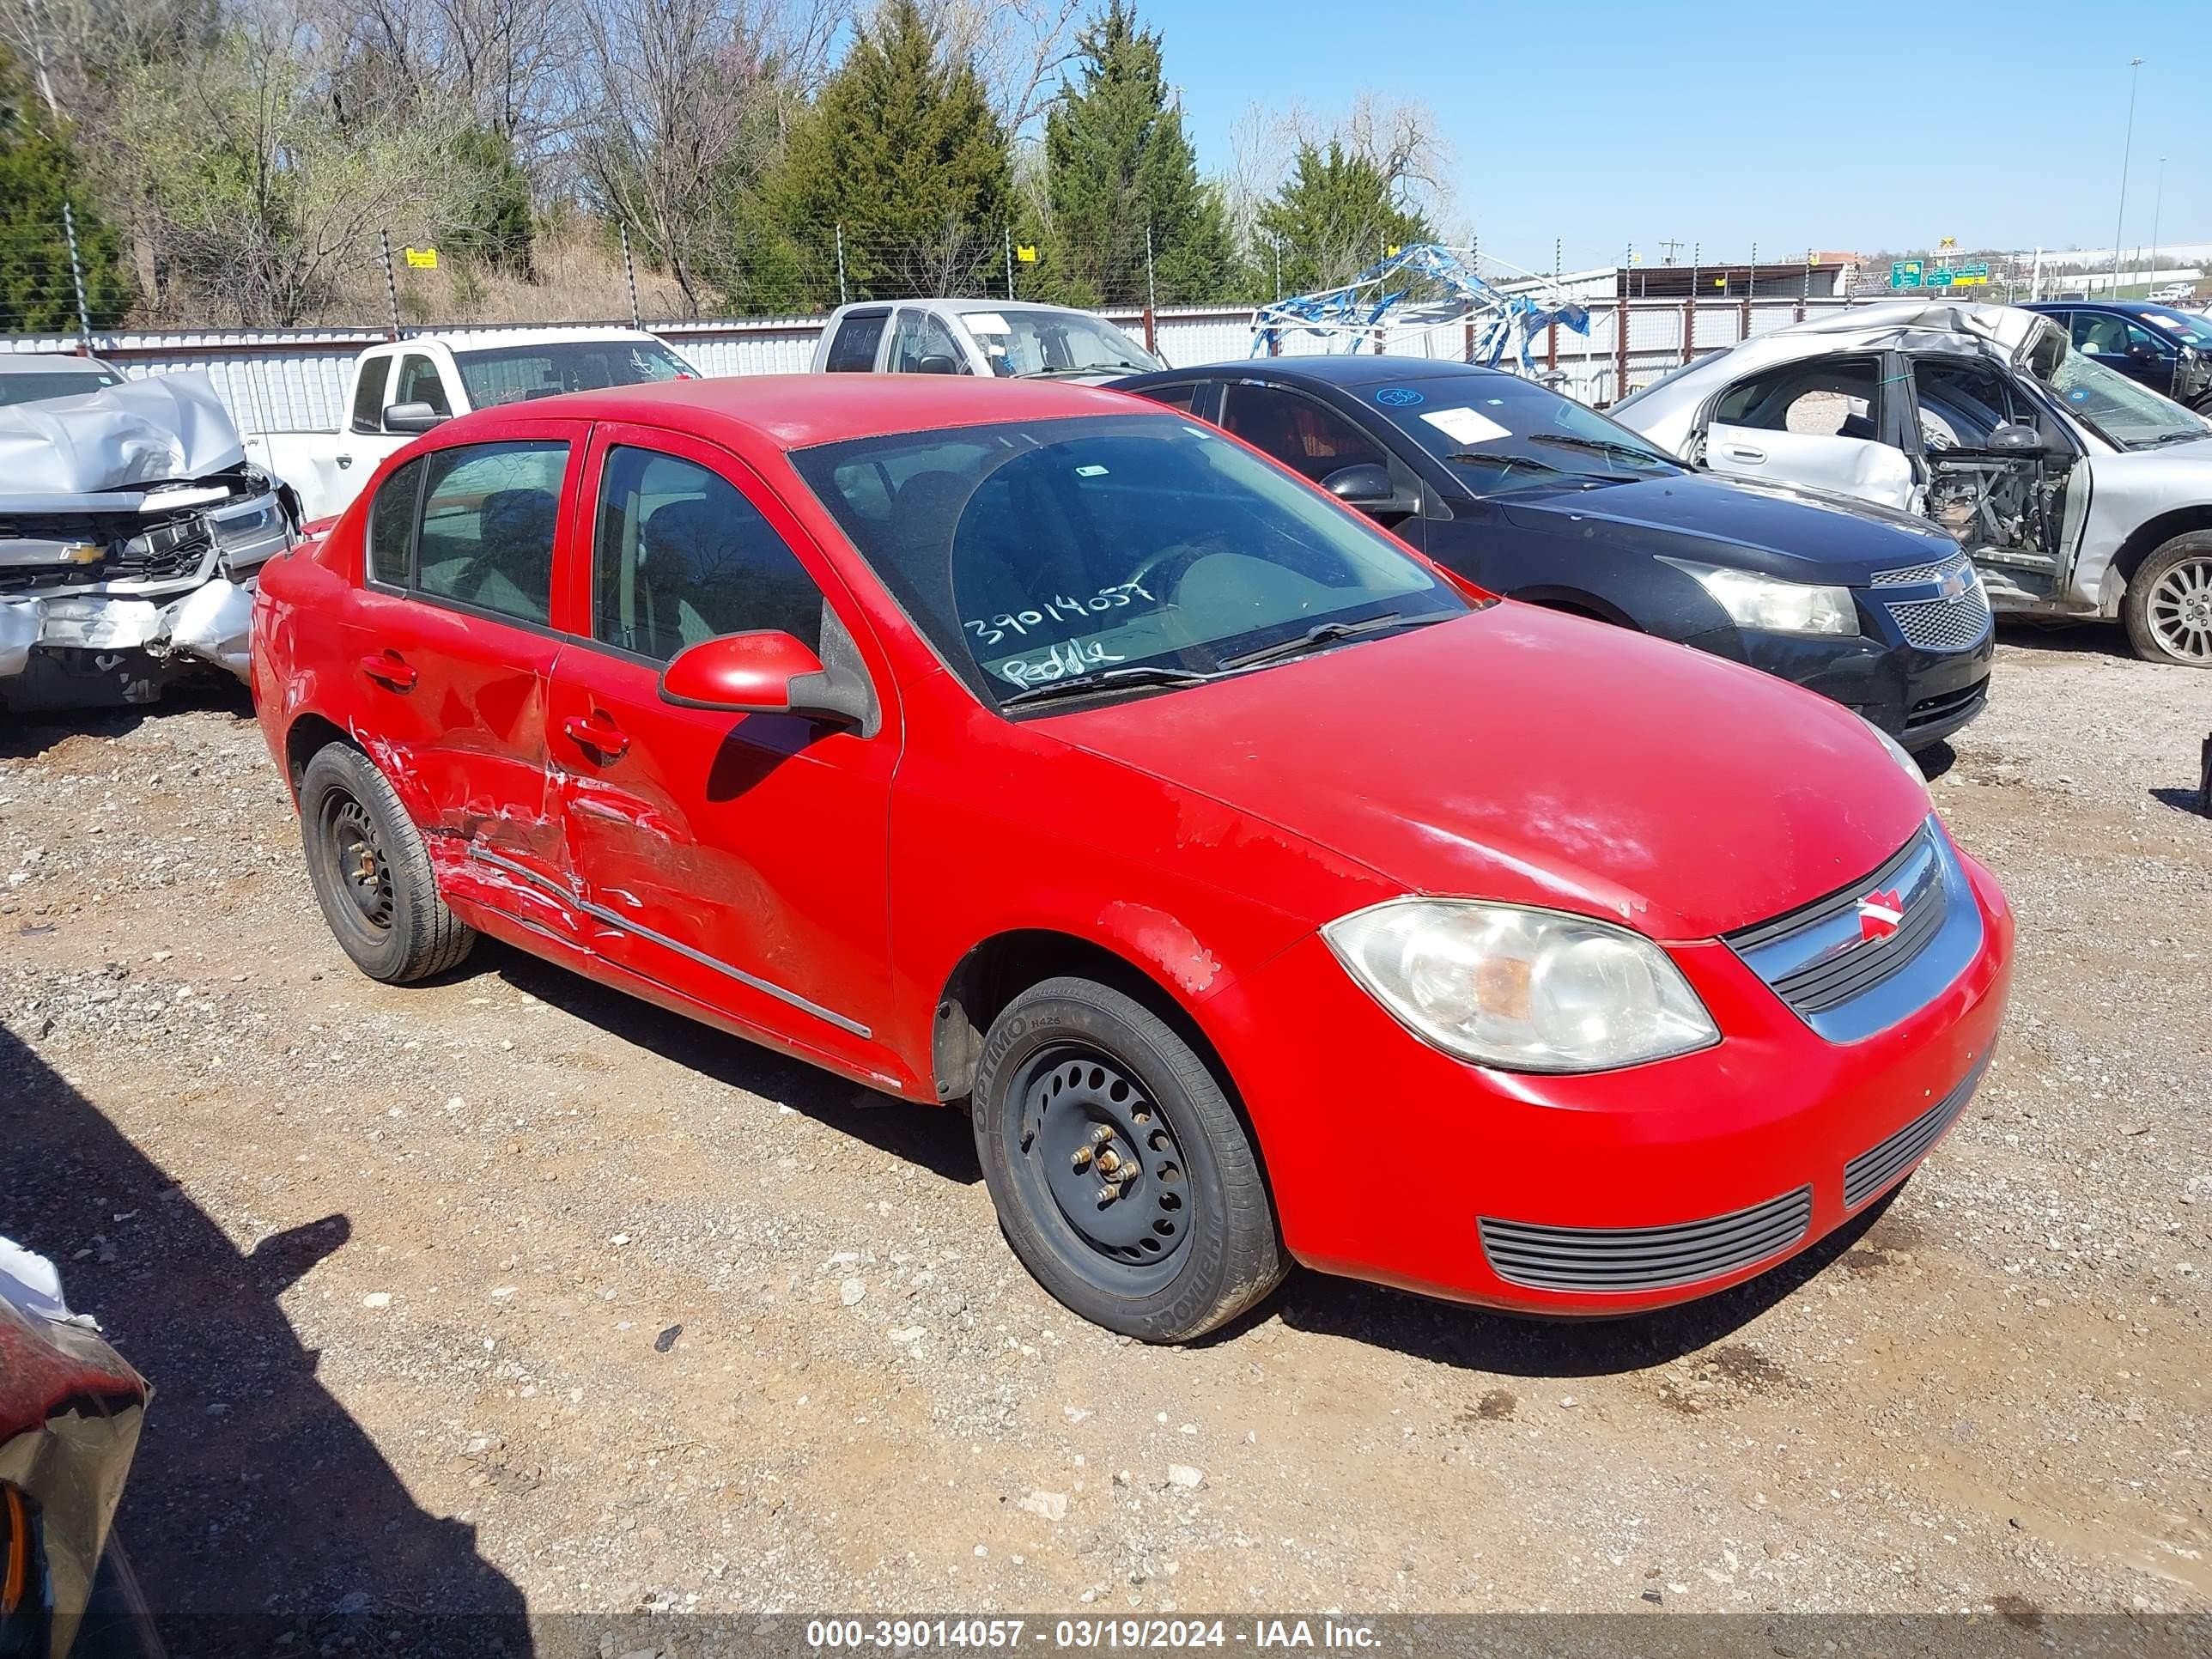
[(1635, 452), (1488, 458), (1107, 679), (1328, 632), (1071, 369)]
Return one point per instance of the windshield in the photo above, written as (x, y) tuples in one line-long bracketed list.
[(62, 383), (2123, 413), (1499, 434), (514, 374), (1019, 343), (1108, 550), (2184, 326)]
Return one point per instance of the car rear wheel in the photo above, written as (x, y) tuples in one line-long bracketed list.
[(371, 873), (1124, 1178), (2168, 605)]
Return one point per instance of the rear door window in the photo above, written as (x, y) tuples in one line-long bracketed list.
[(487, 521), (391, 527), (1835, 398), (853, 348), (368, 395)]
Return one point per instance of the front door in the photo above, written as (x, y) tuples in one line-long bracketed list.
[(1822, 422), (737, 858), (449, 639), (2007, 509)]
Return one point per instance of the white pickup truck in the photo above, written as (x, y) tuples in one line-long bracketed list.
[(409, 386)]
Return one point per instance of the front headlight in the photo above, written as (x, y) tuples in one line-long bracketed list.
[(1774, 606), (1524, 990)]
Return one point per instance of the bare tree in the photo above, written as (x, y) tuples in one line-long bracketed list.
[(1018, 47), (688, 101), (250, 193)]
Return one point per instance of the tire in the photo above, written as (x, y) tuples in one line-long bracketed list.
[(1189, 1240), (2168, 604), (371, 873)]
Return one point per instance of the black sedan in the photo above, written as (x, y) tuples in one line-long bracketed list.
[(2168, 350), (1532, 494)]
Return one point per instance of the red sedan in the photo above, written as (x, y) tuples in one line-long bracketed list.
[(1266, 894)]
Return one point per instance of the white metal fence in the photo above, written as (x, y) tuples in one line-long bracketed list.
[(298, 380)]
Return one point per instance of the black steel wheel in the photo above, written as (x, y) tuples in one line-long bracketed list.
[(1125, 1180), (371, 872)]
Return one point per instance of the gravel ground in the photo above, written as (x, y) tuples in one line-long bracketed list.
[(508, 1292)]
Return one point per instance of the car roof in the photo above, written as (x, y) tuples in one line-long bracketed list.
[(796, 411), (51, 363), (1341, 369), (478, 339)]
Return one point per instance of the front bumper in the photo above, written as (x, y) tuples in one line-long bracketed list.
[(1918, 696), (98, 648), (1390, 1161)]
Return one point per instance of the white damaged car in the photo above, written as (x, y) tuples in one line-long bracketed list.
[(2077, 492), (131, 531)]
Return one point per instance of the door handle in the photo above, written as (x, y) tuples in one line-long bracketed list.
[(344, 461), (1746, 453), (388, 668), (596, 735)]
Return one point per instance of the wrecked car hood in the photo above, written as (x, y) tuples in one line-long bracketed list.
[(126, 438)]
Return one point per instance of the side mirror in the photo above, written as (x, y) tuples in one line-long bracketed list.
[(1365, 485), (937, 363), (761, 673), (412, 418), (2013, 438)]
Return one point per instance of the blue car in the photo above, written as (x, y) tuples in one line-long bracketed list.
[(1534, 495), (2164, 347)]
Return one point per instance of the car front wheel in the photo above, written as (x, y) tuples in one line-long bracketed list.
[(1124, 1179), (2168, 605), (371, 873)]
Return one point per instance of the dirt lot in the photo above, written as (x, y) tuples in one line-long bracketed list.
[(508, 1293)]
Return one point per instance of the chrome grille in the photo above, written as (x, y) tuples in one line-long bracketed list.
[(1951, 624), (1643, 1258), (1918, 575), (1869, 953), (1876, 1167)]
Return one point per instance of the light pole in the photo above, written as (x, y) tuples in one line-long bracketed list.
[(2127, 150), (2157, 201)]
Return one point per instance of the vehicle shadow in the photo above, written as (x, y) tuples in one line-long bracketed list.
[(28, 736), (2090, 639), (1474, 1339), (928, 1137), (941, 1142), (2182, 800), (258, 1516)]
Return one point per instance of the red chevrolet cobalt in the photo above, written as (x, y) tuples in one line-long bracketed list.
[(1265, 895)]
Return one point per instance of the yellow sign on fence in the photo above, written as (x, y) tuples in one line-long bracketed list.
[(1027, 255), (422, 259)]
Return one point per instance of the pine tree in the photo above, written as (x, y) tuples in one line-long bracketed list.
[(1335, 215), (902, 152), (39, 170), (1117, 163)]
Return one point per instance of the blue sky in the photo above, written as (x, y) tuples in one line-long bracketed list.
[(1861, 126)]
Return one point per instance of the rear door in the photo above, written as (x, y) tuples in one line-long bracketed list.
[(738, 858), (855, 347), (452, 641), (1823, 422)]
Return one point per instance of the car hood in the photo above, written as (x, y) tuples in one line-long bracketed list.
[(1782, 529), (1521, 755)]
